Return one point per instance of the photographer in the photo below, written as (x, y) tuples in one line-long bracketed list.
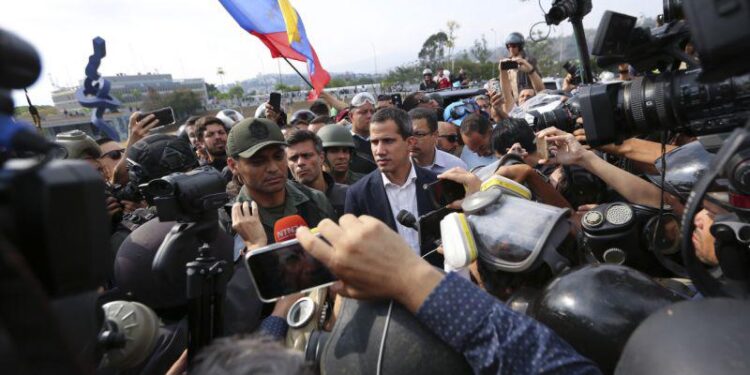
[(372, 261)]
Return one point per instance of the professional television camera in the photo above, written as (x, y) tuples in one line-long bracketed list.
[(707, 98), (192, 200), (53, 253)]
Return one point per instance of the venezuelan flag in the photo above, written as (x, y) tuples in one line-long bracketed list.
[(278, 25)]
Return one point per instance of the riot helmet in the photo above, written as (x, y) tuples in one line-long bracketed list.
[(685, 165), (334, 135), (159, 155), (229, 117), (303, 115), (515, 38), (597, 307)]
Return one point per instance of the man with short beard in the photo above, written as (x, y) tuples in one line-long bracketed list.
[(305, 159), (212, 134)]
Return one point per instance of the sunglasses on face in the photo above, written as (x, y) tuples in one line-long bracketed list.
[(114, 154), (452, 138)]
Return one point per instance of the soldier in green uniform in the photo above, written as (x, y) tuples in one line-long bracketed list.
[(339, 147)]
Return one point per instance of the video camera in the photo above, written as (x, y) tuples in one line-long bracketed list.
[(713, 97)]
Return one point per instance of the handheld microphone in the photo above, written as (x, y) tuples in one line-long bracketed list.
[(285, 228), (408, 220)]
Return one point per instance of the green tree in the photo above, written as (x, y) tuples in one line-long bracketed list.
[(184, 102), (480, 51), (433, 49), (153, 100), (236, 92), (212, 90)]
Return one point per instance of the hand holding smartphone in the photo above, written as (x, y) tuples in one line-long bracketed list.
[(275, 101), (508, 65), (444, 192), (164, 115), (285, 268)]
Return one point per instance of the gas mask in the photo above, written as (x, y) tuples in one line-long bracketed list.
[(628, 234), (505, 232)]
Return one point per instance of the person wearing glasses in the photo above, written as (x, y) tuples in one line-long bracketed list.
[(424, 151), (111, 155), (448, 138)]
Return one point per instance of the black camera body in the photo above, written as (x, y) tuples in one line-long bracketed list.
[(677, 100), (187, 197)]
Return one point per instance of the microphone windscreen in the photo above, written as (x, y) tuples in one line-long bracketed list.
[(285, 228)]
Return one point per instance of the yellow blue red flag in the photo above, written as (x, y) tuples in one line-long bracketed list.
[(278, 25)]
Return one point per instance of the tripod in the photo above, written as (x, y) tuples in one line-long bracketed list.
[(206, 278)]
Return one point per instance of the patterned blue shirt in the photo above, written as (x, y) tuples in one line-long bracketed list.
[(493, 338)]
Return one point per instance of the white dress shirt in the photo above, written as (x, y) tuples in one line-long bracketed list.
[(404, 197)]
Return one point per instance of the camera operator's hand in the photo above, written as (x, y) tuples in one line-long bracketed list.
[(568, 84), (523, 65), (138, 130), (246, 222), (569, 150), (471, 183), (497, 102), (272, 114), (371, 261), (113, 206), (129, 206)]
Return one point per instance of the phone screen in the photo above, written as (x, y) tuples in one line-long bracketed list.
[(164, 115), (285, 268), (444, 192), (508, 65), (275, 101), (429, 227)]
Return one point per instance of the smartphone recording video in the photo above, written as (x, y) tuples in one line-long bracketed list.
[(275, 101), (164, 115), (445, 192), (508, 65), (285, 268)]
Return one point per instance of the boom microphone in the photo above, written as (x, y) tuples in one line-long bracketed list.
[(285, 228)]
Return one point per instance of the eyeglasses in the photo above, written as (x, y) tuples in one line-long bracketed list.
[(452, 138), (114, 154), (420, 134)]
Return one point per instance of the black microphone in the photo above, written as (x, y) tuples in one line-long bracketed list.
[(408, 220)]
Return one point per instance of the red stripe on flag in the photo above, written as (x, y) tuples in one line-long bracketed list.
[(278, 44)]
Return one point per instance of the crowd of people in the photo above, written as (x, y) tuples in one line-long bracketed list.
[(350, 170)]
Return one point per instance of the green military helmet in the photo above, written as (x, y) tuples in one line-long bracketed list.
[(335, 135), (78, 145)]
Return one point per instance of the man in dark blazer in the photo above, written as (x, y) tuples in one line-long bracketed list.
[(397, 183)]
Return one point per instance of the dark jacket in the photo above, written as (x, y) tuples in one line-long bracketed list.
[(362, 160), (311, 204), (336, 194), (368, 197)]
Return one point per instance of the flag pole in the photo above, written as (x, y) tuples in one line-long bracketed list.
[(300, 74)]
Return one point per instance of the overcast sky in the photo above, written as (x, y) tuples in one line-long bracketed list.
[(192, 38)]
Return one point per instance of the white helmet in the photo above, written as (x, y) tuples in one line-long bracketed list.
[(260, 112), (427, 71), (229, 117)]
